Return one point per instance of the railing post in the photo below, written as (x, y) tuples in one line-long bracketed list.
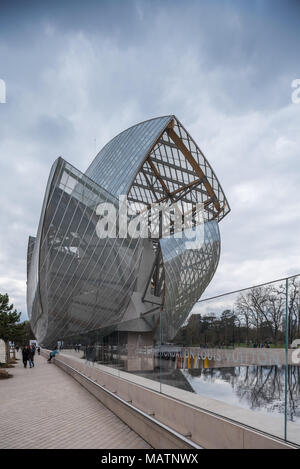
[(286, 356)]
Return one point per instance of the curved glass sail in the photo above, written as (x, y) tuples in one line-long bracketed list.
[(189, 264)]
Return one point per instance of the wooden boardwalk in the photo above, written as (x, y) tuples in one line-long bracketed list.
[(43, 407)]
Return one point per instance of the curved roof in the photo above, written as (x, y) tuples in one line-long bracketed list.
[(158, 161), (116, 164)]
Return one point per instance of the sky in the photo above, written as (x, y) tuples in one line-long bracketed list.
[(78, 73)]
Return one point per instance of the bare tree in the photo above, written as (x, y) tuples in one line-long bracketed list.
[(294, 309), (262, 306)]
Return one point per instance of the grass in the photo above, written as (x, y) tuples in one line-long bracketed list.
[(7, 365), (251, 346)]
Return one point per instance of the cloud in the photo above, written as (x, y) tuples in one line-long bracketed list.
[(75, 81)]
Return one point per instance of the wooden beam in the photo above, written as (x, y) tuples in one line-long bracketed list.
[(180, 189), (165, 187), (158, 176), (187, 154)]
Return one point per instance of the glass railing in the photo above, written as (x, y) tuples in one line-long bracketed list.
[(235, 355)]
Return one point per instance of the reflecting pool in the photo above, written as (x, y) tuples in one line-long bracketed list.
[(259, 388)]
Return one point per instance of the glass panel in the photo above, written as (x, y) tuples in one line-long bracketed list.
[(293, 369), (229, 358), (139, 359), (116, 164)]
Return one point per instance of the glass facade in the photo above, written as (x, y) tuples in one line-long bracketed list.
[(85, 282), (115, 166), (81, 282)]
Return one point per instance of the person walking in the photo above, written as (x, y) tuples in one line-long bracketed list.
[(25, 355), (31, 353), (39, 350)]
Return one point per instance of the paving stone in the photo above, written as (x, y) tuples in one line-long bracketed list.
[(43, 407)]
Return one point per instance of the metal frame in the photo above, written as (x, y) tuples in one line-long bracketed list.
[(160, 175)]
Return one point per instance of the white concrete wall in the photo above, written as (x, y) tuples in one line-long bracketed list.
[(2, 351)]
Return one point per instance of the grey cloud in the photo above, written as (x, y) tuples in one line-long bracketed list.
[(52, 128)]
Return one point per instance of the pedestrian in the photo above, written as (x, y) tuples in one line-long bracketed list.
[(25, 355), (52, 354), (31, 353), (17, 348), (39, 350)]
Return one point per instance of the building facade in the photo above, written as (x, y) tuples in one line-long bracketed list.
[(80, 282)]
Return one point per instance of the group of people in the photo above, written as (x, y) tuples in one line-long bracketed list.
[(28, 353), (261, 345)]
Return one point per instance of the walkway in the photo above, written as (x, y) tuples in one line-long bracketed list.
[(43, 407)]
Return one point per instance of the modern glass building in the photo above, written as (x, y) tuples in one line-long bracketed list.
[(127, 297), (82, 283)]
